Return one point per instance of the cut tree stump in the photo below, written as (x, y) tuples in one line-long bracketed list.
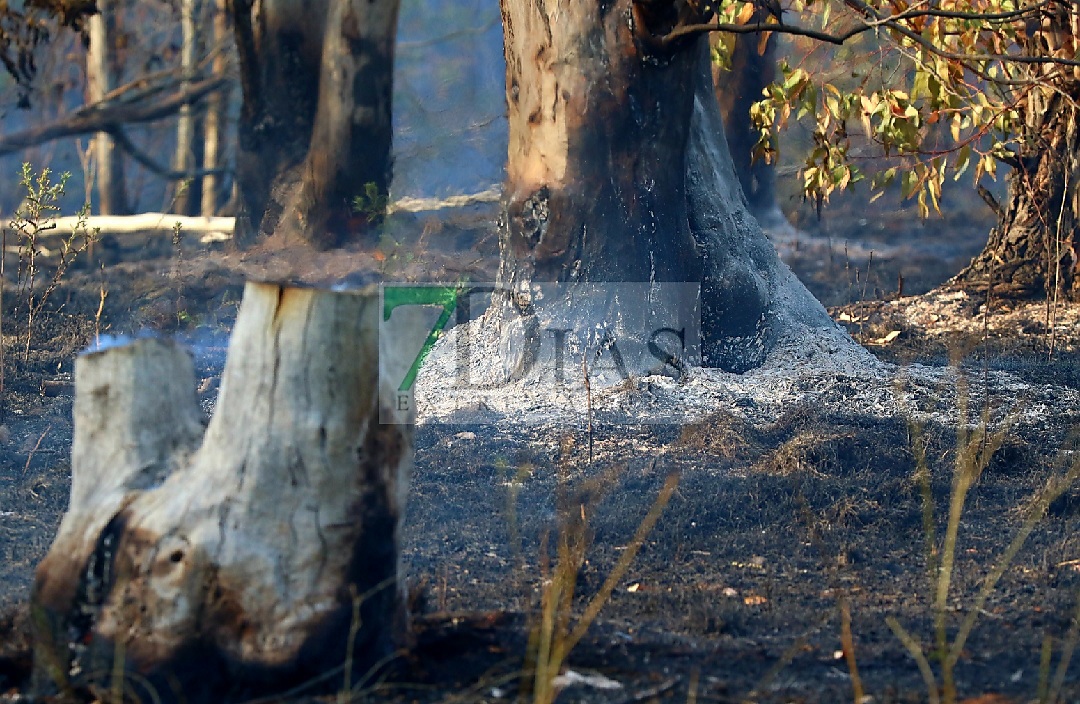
[(262, 554)]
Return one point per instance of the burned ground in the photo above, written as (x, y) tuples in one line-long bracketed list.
[(737, 593)]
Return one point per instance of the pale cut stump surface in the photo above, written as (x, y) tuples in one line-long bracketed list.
[(214, 565)]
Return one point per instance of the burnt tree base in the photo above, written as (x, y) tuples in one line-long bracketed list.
[(259, 554), (751, 301), (314, 156), (1034, 251), (619, 173)]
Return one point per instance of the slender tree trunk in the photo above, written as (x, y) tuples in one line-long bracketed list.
[(100, 80), (215, 122), (753, 68), (315, 129), (252, 557), (184, 160), (618, 171)]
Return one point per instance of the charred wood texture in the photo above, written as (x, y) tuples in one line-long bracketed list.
[(618, 171), (257, 555), (315, 127), (1034, 250)]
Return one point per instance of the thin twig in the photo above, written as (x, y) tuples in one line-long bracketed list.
[(1051, 319), (847, 640), (588, 403), (30, 457), (144, 159), (990, 200), (873, 20), (917, 654)]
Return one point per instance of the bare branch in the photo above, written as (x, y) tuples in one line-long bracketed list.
[(103, 117), (158, 81), (690, 29), (872, 19), (977, 16), (990, 200), (890, 22), (129, 147)]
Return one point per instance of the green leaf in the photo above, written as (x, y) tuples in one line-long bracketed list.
[(907, 183), (963, 160)]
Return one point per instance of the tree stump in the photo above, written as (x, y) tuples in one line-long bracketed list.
[(258, 555)]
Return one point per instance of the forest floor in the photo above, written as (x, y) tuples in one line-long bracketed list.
[(773, 537)]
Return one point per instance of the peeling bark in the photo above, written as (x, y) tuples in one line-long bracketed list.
[(220, 565)]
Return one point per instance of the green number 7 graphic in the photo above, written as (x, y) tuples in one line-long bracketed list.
[(443, 296)]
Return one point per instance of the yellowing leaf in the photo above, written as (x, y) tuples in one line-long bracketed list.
[(763, 41), (745, 13)]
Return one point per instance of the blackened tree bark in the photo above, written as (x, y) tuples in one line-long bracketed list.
[(1034, 250), (618, 172), (753, 67), (314, 133)]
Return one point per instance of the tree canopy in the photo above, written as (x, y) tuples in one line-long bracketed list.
[(26, 25)]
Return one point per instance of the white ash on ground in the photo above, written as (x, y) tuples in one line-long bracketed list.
[(821, 372)]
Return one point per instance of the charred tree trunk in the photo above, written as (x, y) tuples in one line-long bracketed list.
[(314, 135), (1034, 250), (753, 68), (618, 172), (258, 555)]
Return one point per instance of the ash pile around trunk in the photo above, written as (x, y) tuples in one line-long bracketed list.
[(832, 379)]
